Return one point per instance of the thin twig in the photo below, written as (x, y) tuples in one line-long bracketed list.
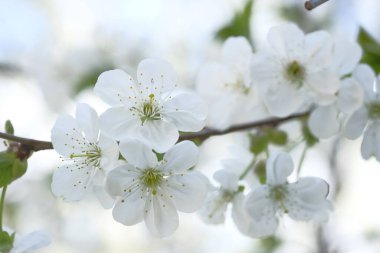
[(312, 4), (37, 145)]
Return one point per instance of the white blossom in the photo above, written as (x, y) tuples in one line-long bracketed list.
[(303, 200), (31, 242), (295, 71), (367, 118), (152, 109), (152, 190), (227, 87), (87, 156)]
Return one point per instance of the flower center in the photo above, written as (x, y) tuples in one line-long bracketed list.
[(149, 110), (238, 86), (152, 178), (278, 193), (295, 73), (89, 157), (374, 110)]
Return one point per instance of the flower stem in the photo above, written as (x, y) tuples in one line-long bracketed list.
[(2, 207), (249, 167), (301, 160)]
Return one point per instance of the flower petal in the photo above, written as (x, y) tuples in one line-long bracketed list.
[(324, 122), (157, 73), (121, 179), (237, 51), (324, 82), (33, 241), (343, 62), (103, 197), (110, 152), (227, 178), (188, 191), (87, 119), (356, 123), (371, 141), (307, 200), (130, 209), (319, 49), (71, 182), (161, 217), (214, 208), (115, 87), (187, 111), (278, 168), (366, 77), (350, 96), (181, 157), (137, 153)]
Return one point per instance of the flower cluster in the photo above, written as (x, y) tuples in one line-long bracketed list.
[(131, 159)]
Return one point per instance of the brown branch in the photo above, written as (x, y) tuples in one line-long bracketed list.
[(208, 132), (34, 145), (37, 145), (312, 4)]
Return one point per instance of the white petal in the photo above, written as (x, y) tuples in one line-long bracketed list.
[(87, 119), (137, 153), (122, 179), (324, 122), (319, 49), (278, 168), (130, 209), (246, 224), (159, 134), (286, 40), (356, 123), (350, 96), (162, 217), (119, 123), (110, 152), (262, 209), (103, 197), (214, 208), (237, 51), (366, 77), (283, 100), (187, 111), (188, 192), (66, 136), (307, 200), (32, 241), (343, 62), (181, 157), (115, 87), (324, 82), (227, 178), (371, 142), (71, 182), (157, 73)]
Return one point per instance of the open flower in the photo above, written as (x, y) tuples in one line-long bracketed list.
[(303, 200), (87, 156), (295, 70), (152, 190), (367, 118), (227, 87), (152, 109)]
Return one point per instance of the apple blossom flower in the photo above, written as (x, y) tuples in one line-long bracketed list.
[(295, 70), (303, 200), (367, 118), (152, 109), (87, 155), (152, 190), (227, 87)]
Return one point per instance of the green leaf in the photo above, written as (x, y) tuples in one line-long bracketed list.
[(6, 241), (9, 127), (371, 49), (310, 139), (260, 171), (11, 168), (278, 137), (239, 25), (259, 143), (269, 244)]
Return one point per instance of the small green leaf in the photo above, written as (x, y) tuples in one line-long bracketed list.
[(6, 241), (310, 139), (9, 127), (260, 171), (259, 143), (371, 49), (159, 156), (269, 244), (11, 168), (239, 25), (278, 137)]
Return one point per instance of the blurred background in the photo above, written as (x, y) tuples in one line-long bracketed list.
[(51, 53)]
